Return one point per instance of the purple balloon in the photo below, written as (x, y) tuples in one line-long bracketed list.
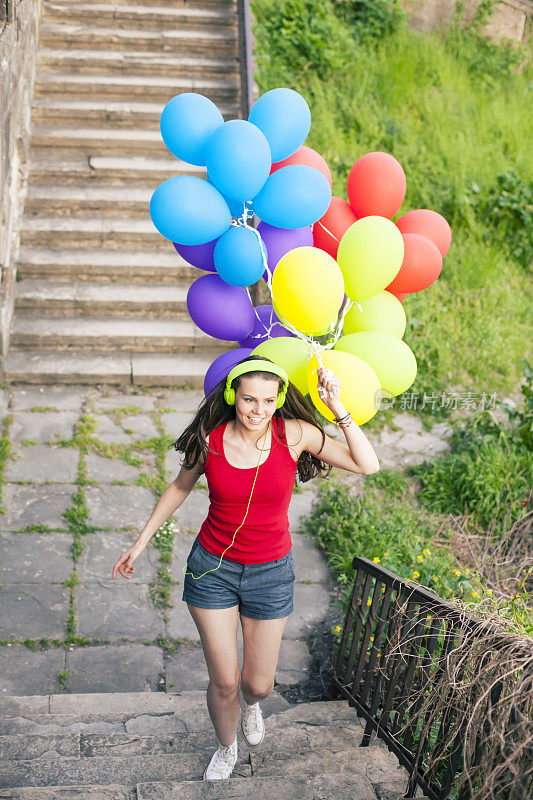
[(279, 241), (199, 255), (264, 317), (221, 310), (222, 366)]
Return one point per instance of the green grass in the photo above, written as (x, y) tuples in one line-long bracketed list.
[(455, 114)]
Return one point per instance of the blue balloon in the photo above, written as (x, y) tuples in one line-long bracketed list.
[(293, 197), (236, 208), (188, 210), (285, 118), (238, 159), (238, 257), (187, 123)]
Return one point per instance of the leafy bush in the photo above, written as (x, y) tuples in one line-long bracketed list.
[(509, 206), (372, 18), (300, 35), (489, 469)]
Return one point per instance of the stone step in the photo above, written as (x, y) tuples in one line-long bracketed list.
[(72, 201), (187, 41), (89, 113), (147, 369), (109, 792), (78, 298), (146, 16), (93, 141), (299, 737), (92, 232), (80, 170), (354, 762), (111, 334), (106, 266), (125, 88), (131, 63)]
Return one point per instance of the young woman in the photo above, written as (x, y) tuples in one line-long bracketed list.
[(251, 436)]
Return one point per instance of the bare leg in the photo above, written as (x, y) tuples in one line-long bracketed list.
[(261, 640), (218, 634)]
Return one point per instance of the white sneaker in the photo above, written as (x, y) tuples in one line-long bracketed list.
[(222, 762), (252, 723)]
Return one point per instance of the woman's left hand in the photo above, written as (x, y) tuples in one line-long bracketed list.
[(329, 389)]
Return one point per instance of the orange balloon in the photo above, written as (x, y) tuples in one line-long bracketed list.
[(430, 224), (376, 185), (330, 229), (421, 265), (310, 158), (399, 295)]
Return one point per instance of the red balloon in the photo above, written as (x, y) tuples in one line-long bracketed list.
[(330, 229), (376, 185), (421, 265), (400, 295), (430, 224), (308, 157)]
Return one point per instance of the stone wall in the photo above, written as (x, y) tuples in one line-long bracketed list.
[(19, 34), (511, 18)]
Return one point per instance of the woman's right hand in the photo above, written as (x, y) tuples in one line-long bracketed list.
[(125, 563)]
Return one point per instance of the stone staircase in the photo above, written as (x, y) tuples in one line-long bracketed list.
[(154, 746), (100, 294)]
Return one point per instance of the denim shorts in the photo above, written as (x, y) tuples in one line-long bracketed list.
[(262, 591)]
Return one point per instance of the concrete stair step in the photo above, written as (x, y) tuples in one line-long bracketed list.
[(187, 41), (107, 334), (149, 17), (147, 369), (131, 63), (125, 88), (93, 141), (79, 170), (92, 232), (110, 792), (69, 771), (105, 266), (88, 113), (79, 298), (174, 3), (124, 202)]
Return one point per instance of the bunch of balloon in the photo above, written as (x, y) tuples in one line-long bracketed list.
[(252, 166), (381, 262)]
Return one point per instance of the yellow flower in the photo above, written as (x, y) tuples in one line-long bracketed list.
[(371, 638), (429, 616), (489, 591), (475, 594), (369, 602), (382, 588), (467, 571), (426, 551), (435, 578), (378, 654), (375, 560), (457, 572), (416, 574), (337, 629), (420, 558), (385, 554)]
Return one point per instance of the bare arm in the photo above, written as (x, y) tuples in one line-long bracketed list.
[(171, 499)]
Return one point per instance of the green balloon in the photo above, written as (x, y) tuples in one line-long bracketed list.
[(291, 354), (391, 358)]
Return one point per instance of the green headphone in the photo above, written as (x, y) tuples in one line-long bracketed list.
[(256, 366)]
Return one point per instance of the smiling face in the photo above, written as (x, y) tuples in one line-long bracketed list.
[(255, 402)]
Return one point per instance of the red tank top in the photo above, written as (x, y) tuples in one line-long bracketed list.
[(265, 534)]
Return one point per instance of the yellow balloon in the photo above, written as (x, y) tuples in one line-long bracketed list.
[(359, 385), (370, 256), (289, 353), (308, 288), (392, 359), (381, 312)]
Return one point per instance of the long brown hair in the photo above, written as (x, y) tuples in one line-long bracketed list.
[(213, 411)]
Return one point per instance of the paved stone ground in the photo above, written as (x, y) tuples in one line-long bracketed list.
[(65, 624)]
